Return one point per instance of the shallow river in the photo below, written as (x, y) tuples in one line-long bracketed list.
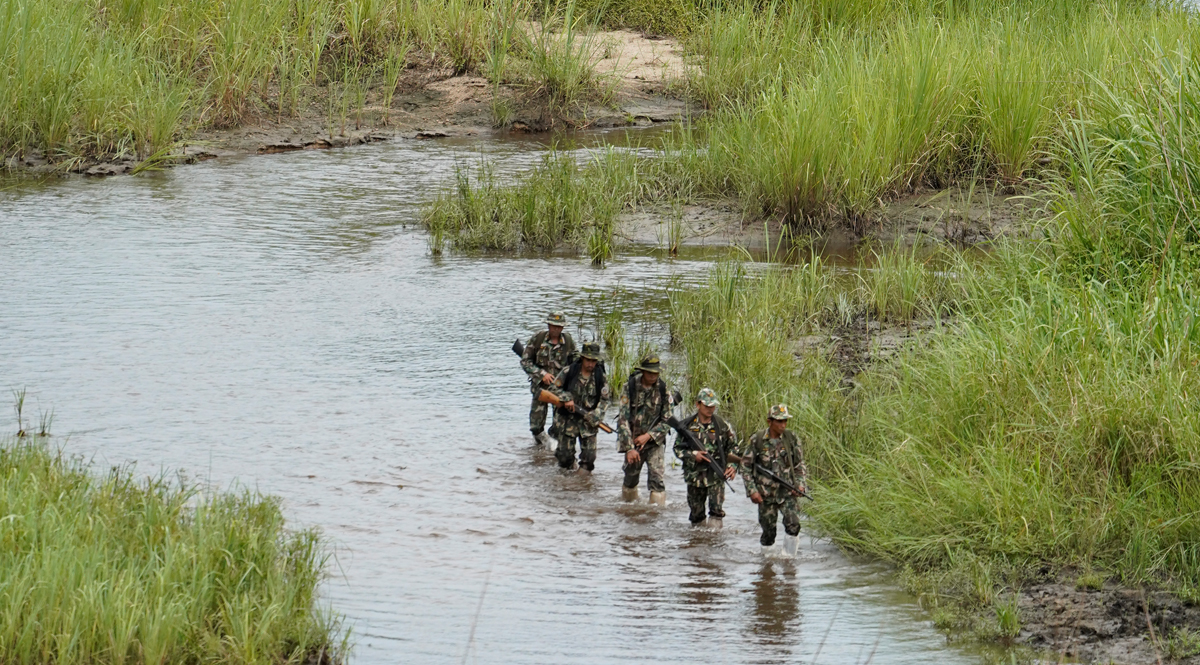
[(272, 322)]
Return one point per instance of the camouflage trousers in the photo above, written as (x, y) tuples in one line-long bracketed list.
[(565, 453), (653, 461), (698, 495), (768, 514), (537, 416)]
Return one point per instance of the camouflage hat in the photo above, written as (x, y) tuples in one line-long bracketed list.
[(707, 397), (557, 319), (650, 364), (590, 350), (779, 412)]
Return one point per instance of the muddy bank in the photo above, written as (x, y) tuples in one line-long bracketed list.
[(642, 74), (1108, 624), (956, 216)]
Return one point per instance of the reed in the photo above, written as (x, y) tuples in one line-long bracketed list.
[(112, 569), (1046, 419), (128, 77)]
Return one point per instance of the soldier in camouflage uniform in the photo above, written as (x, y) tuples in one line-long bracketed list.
[(546, 353), (583, 388), (777, 450), (718, 438), (642, 429)]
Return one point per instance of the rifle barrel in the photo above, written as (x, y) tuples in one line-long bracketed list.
[(696, 446)]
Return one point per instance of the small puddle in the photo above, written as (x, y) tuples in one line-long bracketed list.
[(277, 322)]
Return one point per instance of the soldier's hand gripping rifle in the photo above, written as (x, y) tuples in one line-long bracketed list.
[(763, 471), (547, 397), (695, 445)]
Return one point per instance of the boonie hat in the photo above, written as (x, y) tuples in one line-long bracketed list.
[(779, 412), (707, 397), (650, 364), (590, 350), (557, 319)]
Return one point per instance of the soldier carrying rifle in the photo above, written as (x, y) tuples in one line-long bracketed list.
[(583, 391), (777, 488), (545, 354), (642, 429), (717, 439)]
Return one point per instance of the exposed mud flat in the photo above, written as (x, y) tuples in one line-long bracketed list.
[(1112, 624), (955, 216)]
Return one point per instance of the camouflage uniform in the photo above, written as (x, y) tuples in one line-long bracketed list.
[(784, 458), (591, 399), (703, 484), (543, 356), (644, 410)]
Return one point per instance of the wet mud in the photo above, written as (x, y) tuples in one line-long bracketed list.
[(1112, 624)]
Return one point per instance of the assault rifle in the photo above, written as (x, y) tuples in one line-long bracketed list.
[(547, 397), (763, 471), (694, 444)]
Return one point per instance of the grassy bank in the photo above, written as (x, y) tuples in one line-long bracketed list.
[(125, 77), (1048, 417), (112, 569), (820, 112)]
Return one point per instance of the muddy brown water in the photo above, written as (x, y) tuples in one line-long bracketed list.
[(279, 323)]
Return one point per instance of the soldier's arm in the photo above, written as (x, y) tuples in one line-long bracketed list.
[(801, 469), (730, 444), (569, 348), (659, 432), (748, 475), (624, 434), (682, 450), (597, 414), (528, 361), (559, 388)]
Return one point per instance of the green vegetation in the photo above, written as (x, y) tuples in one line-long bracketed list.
[(1048, 416), (118, 570), (820, 111), (131, 77)]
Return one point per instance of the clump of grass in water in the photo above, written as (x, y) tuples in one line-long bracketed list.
[(554, 205), (111, 569)]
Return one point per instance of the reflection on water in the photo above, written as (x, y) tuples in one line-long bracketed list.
[(776, 605), (277, 322)]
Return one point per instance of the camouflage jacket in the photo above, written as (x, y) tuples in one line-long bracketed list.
[(590, 402), (717, 437), (781, 456), (542, 356), (647, 412)]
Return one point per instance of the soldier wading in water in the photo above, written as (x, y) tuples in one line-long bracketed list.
[(584, 391), (718, 439), (546, 353), (777, 450), (642, 430)]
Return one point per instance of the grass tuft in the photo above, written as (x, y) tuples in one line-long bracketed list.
[(112, 569)]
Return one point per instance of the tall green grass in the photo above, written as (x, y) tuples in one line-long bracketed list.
[(1050, 417), (129, 77), (821, 112), (112, 569)]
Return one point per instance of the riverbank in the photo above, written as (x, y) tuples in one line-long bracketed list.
[(117, 569), (332, 75)]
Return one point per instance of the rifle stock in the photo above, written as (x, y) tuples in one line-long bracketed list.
[(547, 397)]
